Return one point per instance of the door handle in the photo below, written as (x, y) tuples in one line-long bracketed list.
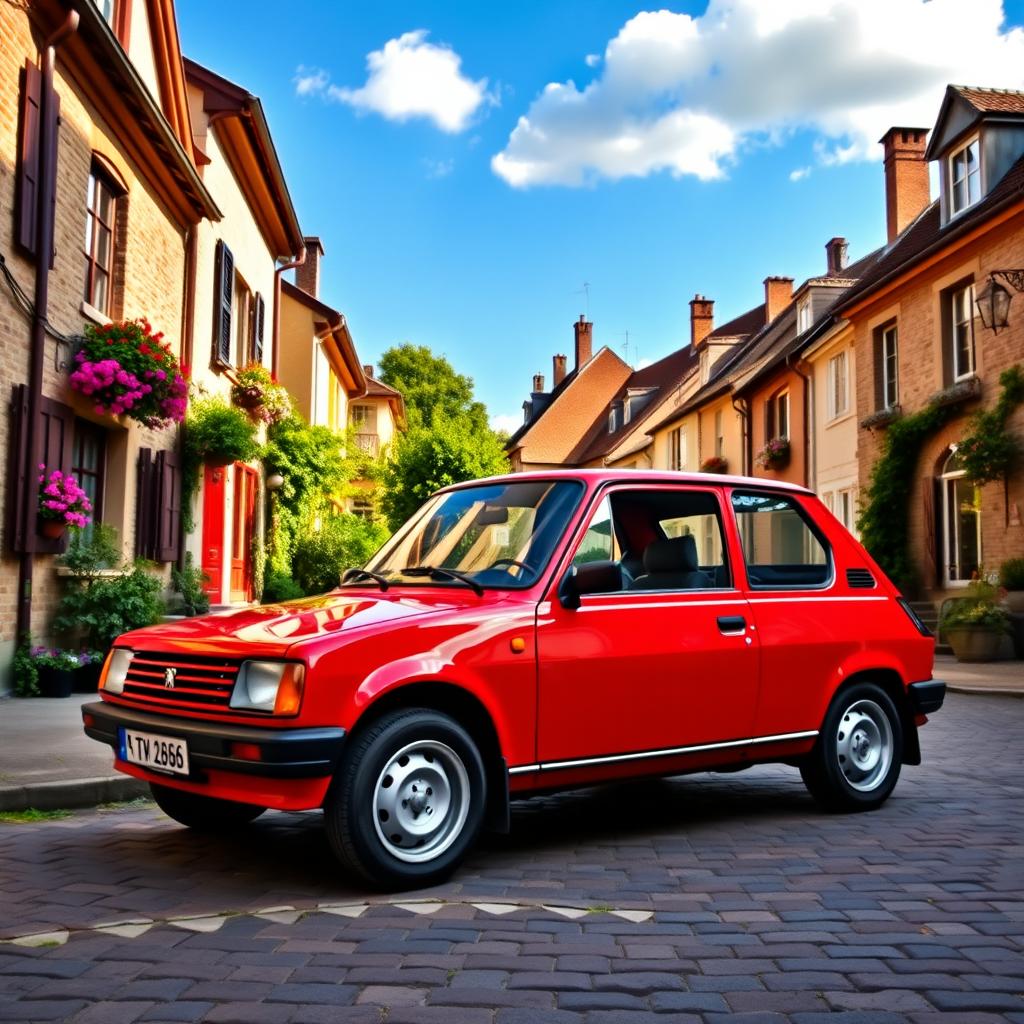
[(732, 625)]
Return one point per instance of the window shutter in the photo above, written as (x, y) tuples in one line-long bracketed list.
[(27, 204), (145, 505), (19, 438), (257, 329), (168, 505), (223, 289), (53, 449)]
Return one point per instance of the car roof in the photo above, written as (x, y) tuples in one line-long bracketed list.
[(639, 476)]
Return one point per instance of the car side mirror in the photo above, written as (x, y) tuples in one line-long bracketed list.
[(589, 578)]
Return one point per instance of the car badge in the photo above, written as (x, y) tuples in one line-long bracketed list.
[(169, 674)]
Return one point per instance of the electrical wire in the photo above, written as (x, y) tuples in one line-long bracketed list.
[(26, 305)]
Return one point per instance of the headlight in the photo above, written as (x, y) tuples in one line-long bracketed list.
[(271, 686), (115, 670)]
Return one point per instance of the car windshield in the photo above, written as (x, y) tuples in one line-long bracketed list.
[(490, 535)]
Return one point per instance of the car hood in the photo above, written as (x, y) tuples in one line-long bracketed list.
[(272, 628)]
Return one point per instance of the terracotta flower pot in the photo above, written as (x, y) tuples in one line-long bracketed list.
[(52, 528), (974, 643)]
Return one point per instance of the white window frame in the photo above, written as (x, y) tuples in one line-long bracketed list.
[(720, 434), (971, 176), (677, 449), (838, 385), (965, 296), (890, 380), (803, 315)]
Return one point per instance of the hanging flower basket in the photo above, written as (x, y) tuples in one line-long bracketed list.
[(256, 391), (126, 369), (62, 503), (775, 454), (714, 464)]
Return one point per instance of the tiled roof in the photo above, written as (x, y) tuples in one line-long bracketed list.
[(378, 389), (992, 101), (927, 233), (555, 392), (741, 326)]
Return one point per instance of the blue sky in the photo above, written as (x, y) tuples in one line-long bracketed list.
[(656, 155)]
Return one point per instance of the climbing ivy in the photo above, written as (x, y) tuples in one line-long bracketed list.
[(989, 451)]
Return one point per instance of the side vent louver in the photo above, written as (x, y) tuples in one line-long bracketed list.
[(860, 579)]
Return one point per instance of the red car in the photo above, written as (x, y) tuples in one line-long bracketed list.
[(529, 633)]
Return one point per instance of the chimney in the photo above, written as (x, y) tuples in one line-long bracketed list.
[(367, 369), (778, 293), (538, 383), (584, 331), (702, 319), (558, 371), (907, 190), (835, 251), (307, 275)]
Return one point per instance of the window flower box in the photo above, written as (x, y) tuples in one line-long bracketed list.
[(714, 464), (258, 392), (62, 503), (775, 454)]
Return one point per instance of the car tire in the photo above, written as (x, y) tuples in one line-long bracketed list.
[(856, 760), (203, 813), (408, 800)]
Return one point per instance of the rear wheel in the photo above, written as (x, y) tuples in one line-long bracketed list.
[(856, 760), (203, 813), (408, 800)]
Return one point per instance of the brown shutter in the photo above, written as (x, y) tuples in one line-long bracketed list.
[(144, 505), (257, 329), (51, 167), (53, 449), (168, 532), (27, 199), (223, 290), (16, 532)]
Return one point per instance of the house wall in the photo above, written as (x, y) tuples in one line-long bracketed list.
[(732, 431), (295, 370), (152, 280), (785, 380), (917, 308)]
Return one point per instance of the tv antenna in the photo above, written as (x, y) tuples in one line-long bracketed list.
[(625, 349), (585, 292)]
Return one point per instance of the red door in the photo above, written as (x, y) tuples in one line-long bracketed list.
[(214, 478), (243, 528)]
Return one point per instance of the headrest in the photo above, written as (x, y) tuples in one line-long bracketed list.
[(678, 554)]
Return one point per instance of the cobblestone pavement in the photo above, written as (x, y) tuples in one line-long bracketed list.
[(681, 900)]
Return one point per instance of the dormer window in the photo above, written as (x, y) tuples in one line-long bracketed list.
[(964, 177), (803, 315)]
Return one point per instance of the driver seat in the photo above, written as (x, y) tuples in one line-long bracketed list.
[(671, 565)]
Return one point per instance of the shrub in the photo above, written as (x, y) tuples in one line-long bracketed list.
[(24, 670), (278, 586), (1011, 574), (343, 541), (190, 582), (979, 608), (93, 550), (218, 431)]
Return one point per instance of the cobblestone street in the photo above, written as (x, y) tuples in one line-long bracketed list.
[(678, 900)]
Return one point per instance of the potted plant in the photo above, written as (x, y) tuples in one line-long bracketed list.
[(974, 625), (714, 464), (62, 503), (219, 433), (125, 369), (775, 454), (257, 391), (1011, 579), (56, 669)]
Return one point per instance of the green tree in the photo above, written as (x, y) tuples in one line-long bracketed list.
[(432, 389), (425, 459)]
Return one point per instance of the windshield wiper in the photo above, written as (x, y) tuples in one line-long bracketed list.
[(355, 573), (436, 572)]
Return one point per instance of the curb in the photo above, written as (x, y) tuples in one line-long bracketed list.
[(50, 796), (985, 691)]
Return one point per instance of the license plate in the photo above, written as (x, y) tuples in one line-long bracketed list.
[(161, 753)]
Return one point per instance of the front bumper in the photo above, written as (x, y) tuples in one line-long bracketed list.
[(927, 696), (310, 753)]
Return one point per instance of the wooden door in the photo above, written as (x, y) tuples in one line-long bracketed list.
[(214, 493), (243, 529)]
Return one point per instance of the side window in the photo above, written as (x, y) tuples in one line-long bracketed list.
[(598, 543), (780, 547), (706, 530)]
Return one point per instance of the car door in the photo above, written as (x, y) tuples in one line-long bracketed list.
[(654, 665)]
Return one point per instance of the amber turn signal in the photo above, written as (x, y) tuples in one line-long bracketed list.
[(518, 645), (289, 691)]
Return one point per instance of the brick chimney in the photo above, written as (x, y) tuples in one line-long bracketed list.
[(584, 330), (907, 190), (538, 383), (558, 370), (778, 293), (307, 274), (835, 252), (367, 369), (702, 318)]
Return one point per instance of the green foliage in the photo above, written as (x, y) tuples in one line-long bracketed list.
[(989, 451), (426, 459), (1011, 574), (883, 521), (31, 815), (312, 461), (24, 669), (979, 607), (279, 586), (433, 391), (92, 550), (343, 541), (102, 608), (190, 582)]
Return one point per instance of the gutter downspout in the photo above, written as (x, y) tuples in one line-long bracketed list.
[(188, 304), (742, 407), (806, 417), (275, 343), (37, 350)]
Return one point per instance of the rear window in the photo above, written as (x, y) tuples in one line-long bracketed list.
[(781, 548)]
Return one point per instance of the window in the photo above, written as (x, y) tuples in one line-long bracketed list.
[(100, 224), (889, 360), (841, 504), (780, 547), (838, 386), (88, 462), (598, 544), (777, 416), (964, 177), (962, 320), (243, 317), (803, 315), (677, 449), (719, 434)]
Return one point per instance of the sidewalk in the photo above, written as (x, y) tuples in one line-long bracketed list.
[(47, 761)]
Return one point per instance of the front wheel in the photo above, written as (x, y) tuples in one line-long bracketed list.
[(408, 800), (856, 761), (203, 813)]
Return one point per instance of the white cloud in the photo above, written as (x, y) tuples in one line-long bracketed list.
[(687, 95), (592, 60), (800, 173), (438, 168), (310, 81), (502, 421), (411, 77)]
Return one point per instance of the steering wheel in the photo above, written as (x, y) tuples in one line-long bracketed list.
[(509, 561)]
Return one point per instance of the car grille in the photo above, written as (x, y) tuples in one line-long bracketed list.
[(200, 682)]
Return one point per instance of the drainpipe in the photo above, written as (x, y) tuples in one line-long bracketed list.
[(300, 258), (805, 377), (188, 303), (742, 408), (37, 349)]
